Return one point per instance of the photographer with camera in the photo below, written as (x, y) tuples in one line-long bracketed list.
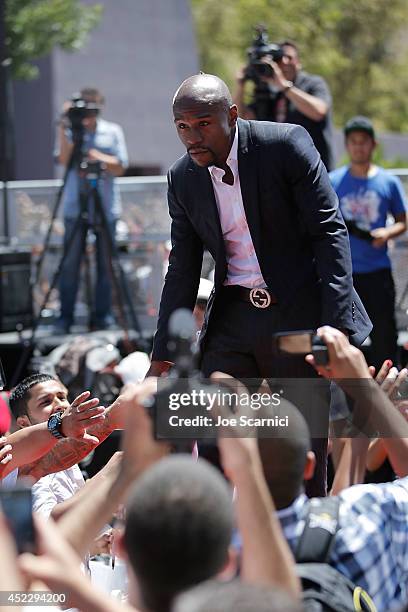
[(87, 142), (284, 93)]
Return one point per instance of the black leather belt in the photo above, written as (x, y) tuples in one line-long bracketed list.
[(257, 297)]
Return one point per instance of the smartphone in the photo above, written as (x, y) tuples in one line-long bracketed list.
[(302, 343), (17, 506)]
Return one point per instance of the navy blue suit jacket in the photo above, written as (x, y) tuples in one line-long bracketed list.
[(296, 227)]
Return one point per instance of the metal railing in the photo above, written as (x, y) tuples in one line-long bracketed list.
[(143, 233)]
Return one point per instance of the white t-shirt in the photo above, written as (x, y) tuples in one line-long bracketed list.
[(53, 489), (10, 480)]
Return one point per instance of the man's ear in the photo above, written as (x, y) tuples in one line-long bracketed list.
[(309, 466), (23, 421), (233, 115)]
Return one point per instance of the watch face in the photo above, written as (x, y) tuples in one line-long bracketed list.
[(53, 421)]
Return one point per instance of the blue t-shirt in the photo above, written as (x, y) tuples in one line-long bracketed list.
[(367, 202), (109, 139)]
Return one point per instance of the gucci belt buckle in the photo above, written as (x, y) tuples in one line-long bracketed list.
[(260, 298)]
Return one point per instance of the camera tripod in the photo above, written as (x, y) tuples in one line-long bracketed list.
[(92, 216)]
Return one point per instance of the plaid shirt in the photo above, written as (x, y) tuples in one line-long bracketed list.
[(371, 546)]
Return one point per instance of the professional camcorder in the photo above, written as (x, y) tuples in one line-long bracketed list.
[(260, 50), (79, 110)]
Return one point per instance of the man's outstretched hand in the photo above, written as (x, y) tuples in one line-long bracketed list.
[(158, 368), (81, 414)]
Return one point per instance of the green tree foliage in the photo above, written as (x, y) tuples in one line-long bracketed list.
[(34, 27), (359, 46)]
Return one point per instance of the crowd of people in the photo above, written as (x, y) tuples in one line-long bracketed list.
[(248, 518), (193, 537)]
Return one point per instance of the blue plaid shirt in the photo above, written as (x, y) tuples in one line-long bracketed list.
[(371, 546)]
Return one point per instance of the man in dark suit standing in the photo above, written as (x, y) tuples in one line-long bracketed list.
[(258, 197)]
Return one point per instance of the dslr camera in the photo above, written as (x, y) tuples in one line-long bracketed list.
[(260, 48)]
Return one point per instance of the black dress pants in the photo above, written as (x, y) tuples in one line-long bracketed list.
[(239, 342)]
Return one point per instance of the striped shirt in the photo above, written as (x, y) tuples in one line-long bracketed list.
[(371, 546)]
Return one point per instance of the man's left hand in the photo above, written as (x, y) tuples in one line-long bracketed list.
[(380, 235), (278, 79)]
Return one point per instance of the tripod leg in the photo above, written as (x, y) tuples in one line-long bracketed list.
[(75, 155), (103, 288), (88, 286), (75, 237), (118, 275)]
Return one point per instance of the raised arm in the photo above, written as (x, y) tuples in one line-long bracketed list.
[(81, 524), (33, 447), (373, 410), (84, 425), (266, 557)]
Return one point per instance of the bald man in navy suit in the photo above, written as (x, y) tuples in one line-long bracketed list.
[(257, 196)]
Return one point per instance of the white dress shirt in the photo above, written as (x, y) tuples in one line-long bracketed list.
[(243, 266)]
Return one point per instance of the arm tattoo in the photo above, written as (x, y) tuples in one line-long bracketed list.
[(67, 453)]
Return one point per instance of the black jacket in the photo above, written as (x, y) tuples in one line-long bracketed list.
[(297, 230)]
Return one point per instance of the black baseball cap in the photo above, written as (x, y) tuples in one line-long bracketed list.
[(359, 124)]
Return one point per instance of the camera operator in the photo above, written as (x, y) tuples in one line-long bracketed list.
[(100, 141), (285, 93)]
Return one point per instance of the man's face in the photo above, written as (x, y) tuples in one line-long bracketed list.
[(45, 399), (290, 63), (205, 130), (89, 123), (360, 147)]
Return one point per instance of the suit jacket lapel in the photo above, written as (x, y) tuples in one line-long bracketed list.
[(248, 172)]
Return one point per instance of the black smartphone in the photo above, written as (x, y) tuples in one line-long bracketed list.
[(17, 506), (302, 343)]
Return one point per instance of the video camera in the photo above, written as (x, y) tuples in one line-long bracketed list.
[(261, 47), (79, 110)]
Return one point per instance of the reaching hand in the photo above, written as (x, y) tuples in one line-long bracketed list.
[(5, 455), (393, 383), (102, 544), (345, 361), (381, 237), (82, 413)]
